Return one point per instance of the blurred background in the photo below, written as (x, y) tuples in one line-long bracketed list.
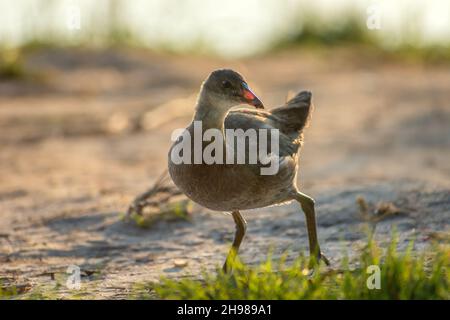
[(231, 29), (90, 92)]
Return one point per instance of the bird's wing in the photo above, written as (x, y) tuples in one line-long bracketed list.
[(246, 119)]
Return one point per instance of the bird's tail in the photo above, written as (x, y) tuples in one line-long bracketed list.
[(295, 114)]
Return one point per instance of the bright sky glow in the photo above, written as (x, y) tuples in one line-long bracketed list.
[(229, 28)]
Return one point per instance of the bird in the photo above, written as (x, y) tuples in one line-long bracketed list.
[(233, 187)]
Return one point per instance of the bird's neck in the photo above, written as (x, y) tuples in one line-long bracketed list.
[(210, 112)]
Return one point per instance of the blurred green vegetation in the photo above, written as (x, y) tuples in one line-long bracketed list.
[(402, 276), (350, 31), (308, 31), (313, 31), (11, 64)]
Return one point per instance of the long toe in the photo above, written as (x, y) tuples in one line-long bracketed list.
[(315, 260), (324, 258)]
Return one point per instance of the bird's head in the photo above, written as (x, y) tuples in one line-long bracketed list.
[(226, 88)]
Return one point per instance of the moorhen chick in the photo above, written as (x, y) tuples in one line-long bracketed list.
[(233, 187)]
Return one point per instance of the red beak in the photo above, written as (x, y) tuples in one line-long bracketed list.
[(250, 97)]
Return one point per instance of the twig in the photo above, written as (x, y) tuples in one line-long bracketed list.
[(154, 196)]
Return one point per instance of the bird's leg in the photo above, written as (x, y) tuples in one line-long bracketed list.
[(241, 226), (307, 204)]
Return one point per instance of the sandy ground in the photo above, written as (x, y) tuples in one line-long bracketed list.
[(79, 144)]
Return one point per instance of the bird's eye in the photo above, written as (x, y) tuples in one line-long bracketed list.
[(226, 84)]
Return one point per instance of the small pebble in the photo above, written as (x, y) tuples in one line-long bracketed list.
[(179, 263)]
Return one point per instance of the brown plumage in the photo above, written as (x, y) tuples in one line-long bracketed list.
[(235, 187)]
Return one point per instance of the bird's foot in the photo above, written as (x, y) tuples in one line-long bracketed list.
[(314, 264), (315, 260), (323, 258)]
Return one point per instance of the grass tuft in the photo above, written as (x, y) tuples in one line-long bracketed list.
[(401, 276)]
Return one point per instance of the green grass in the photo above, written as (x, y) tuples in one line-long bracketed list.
[(402, 276)]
